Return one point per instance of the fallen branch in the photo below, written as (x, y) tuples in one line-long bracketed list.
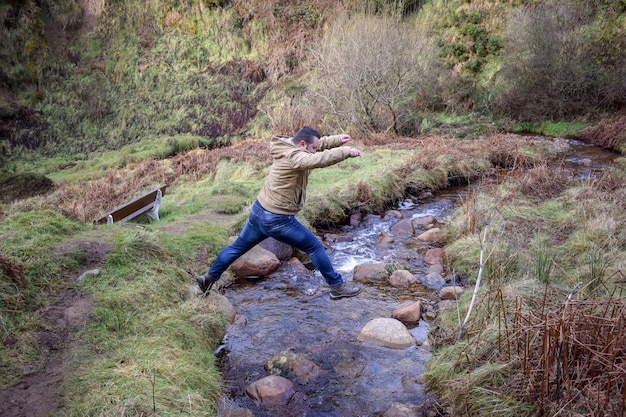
[(480, 274)]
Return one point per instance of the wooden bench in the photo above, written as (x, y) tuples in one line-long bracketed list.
[(148, 204)]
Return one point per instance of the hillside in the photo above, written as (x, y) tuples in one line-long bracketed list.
[(86, 76), (100, 101)]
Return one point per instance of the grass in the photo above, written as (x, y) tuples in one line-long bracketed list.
[(552, 129), (147, 348), (543, 249)]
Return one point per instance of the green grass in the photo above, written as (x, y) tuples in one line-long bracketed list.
[(539, 250), (163, 364), (549, 128), (147, 347), (367, 181), (29, 241)]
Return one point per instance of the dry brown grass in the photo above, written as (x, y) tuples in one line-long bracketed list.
[(569, 350), (461, 158), (610, 133), (86, 200), (573, 352), (539, 181)]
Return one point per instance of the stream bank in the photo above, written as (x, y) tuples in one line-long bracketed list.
[(290, 311)]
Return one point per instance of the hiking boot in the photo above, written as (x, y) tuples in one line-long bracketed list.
[(205, 283), (347, 289)]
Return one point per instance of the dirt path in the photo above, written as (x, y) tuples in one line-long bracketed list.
[(37, 394)]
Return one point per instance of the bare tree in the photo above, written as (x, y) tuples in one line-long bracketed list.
[(369, 71)]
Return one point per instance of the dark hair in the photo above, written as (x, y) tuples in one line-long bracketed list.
[(307, 134)]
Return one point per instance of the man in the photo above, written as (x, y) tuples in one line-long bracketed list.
[(281, 198)]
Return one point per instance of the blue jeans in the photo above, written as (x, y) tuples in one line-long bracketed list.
[(262, 224)]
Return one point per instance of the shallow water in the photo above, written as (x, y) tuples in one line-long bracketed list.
[(292, 311)]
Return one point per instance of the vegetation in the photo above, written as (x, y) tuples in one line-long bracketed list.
[(101, 102), (546, 336)]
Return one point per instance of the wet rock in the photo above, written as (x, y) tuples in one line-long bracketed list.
[(256, 262), (400, 410), (426, 196), (408, 314), (387, 332), (344, 238), (450, 293), (384, 240), (434, 235), (371, 218), (437, 268), (433, 280), (281, 250), (335, 238), (330, 237), (236, 412), (297, 266), (370, 273), (402, 278), (392, 214), (433, 256), (420, 333), (355, 219), (424, 222), (292, 366), (404, 226), (224, 305), (271, 390)]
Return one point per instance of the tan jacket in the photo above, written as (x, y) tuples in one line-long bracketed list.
[(284, 191)]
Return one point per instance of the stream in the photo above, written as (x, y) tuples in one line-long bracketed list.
[(291, 311)]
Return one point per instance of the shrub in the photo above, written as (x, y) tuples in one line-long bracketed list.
[(556, 62), (370, 72)]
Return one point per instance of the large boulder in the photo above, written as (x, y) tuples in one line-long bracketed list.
[(282, 250), (271, 390), (293, 366), (387, 332), (257, 262), (370, 273)]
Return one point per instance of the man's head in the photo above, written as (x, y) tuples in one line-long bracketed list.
[(307, 138)]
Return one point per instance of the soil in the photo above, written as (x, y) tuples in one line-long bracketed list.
[(37, 393)]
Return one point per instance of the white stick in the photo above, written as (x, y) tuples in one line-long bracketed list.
[(480, 274)]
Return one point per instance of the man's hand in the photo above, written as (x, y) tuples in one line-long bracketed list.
[(354, 152), (345, 138)]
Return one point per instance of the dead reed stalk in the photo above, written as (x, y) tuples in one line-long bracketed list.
[(574, 353)]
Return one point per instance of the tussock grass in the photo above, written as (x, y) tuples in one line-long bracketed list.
[(30, 269), (531, 347), (155, 343), (141, 303)]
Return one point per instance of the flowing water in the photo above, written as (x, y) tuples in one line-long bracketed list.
[(291, 311)]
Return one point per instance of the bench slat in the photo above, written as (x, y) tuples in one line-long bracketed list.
[(136, 207)]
